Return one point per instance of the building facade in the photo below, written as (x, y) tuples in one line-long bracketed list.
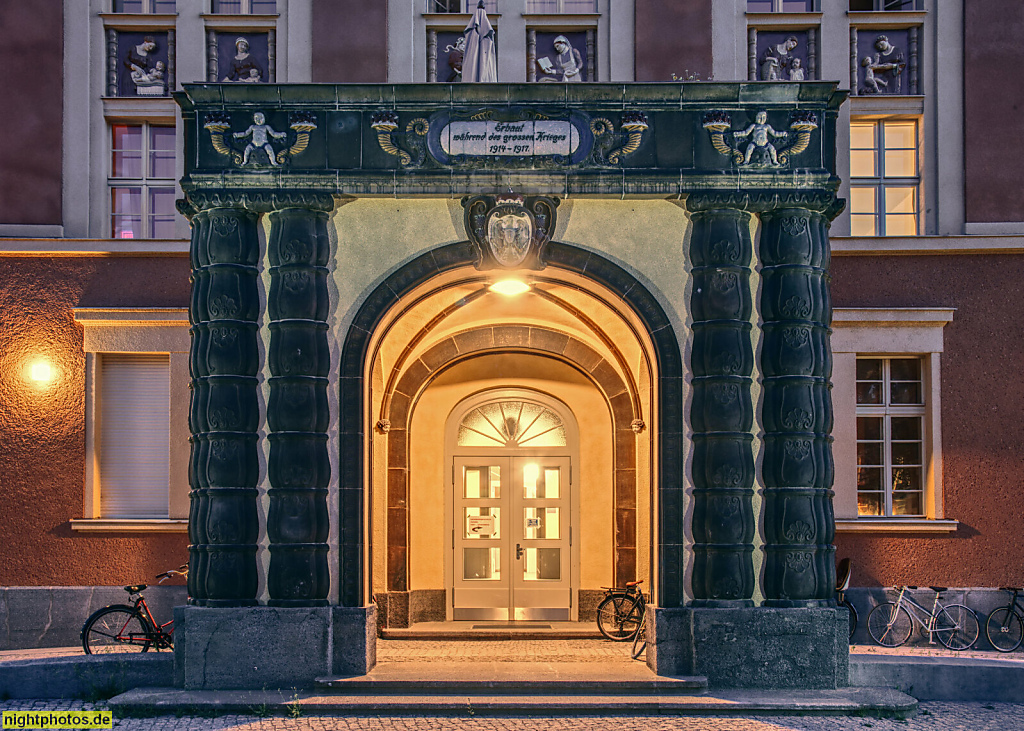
[(459, 392)]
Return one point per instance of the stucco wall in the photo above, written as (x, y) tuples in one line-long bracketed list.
[(350, 41), (992, 41), (42, 429), (31, 59), (375, 236), (982, 428), (672, 37)]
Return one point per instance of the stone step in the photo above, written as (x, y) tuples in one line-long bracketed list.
[(619, 677), (846, 701), (663, 686), (470, 635)]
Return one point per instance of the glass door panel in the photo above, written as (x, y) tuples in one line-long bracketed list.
[(479, 537), (540, 502)]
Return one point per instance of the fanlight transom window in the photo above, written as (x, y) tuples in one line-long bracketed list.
[(511, 423)]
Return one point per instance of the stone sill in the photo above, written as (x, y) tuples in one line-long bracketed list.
[(868, 106), (922, 245), (139, 108), (175, 316), (895, 525), (454, 21), (94, 247), (784, 21), (139, 21), (239, 22), (896, 19), (846, 316), (568, 21), (125, 525)]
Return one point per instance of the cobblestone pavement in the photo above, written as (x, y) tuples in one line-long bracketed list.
[(932, 717)]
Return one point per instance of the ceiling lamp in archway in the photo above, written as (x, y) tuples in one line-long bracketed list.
[(511, 424)]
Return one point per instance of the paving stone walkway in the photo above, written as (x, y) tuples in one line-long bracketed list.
[(502, 651), (932, 717)]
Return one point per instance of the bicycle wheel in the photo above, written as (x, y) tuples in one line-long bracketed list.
[(889, 625), (957, 627), (639, 640), (853, 617), (618, 618), (116, 629), (1004, 629)]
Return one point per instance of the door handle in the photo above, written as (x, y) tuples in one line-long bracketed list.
[(519, 551)]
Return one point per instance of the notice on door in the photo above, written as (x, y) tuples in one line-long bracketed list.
[(480, 525)]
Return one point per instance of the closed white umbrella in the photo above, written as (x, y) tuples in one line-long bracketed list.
[(479, 63)]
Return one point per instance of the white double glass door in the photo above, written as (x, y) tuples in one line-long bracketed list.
[(511, 538)]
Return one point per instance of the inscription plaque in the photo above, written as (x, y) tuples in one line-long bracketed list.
[(528, 138)]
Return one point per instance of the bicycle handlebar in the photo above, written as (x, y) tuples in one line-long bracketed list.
[(180, 571)]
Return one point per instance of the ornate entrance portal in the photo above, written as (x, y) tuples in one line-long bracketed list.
[(512, 512), (672, 242)]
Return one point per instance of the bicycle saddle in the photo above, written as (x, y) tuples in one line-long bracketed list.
[(135, 588), (938, 589), (634, 583)]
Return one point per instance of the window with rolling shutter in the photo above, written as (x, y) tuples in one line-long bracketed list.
[(134, 435)]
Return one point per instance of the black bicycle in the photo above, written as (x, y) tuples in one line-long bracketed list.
[(640, 640), (1005, 626), (621, 613), (129, 628), (843, 574)]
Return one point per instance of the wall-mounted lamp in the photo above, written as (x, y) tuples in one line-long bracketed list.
[(510, 287), (40, 372)]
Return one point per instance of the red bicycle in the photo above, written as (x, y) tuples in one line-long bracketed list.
[(129, 628)]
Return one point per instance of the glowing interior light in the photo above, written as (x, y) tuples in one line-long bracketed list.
[(41, 372), (530, 474), (510, 287)]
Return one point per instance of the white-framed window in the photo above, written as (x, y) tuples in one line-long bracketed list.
[(244, 7), (886, 5), (886, 397), (891, 445), (141, 181), (136, 419), (782, 6), (165, 7), (885, 177)]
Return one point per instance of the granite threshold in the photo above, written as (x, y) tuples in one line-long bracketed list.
[(483, 630)]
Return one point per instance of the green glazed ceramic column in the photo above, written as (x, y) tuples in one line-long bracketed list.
[(297, 412), (223, 521), (722, 410), (796, 364)]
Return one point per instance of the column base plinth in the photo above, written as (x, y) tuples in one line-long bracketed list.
[(264, 648), (756, 647)]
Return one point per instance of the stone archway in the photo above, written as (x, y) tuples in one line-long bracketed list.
[(620, 394), (669, 551)]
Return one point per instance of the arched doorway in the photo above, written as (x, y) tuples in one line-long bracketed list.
[(512, 507), (584, 315)]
